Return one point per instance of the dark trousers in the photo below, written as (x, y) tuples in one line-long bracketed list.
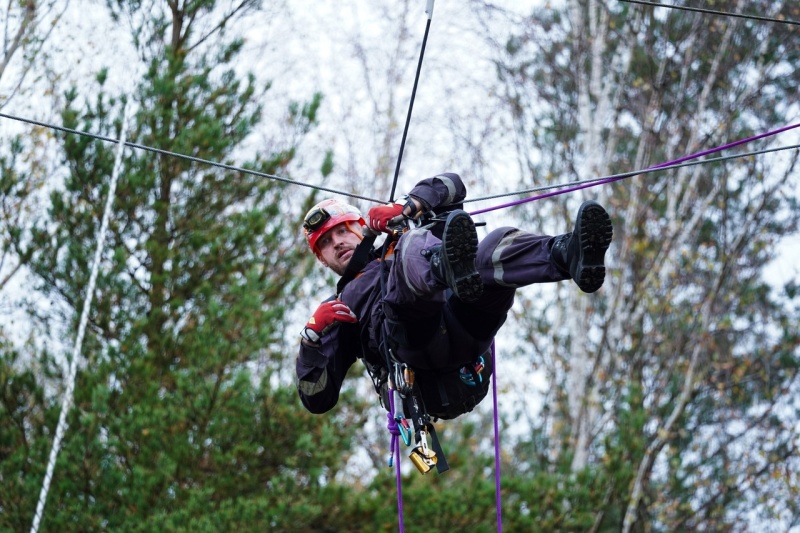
[(435, 330)]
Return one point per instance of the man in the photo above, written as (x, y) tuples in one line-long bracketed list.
[(434, 303)]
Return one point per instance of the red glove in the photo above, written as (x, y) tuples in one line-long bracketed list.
[(327, 315), (378, 218)]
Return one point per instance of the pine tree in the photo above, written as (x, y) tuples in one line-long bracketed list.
[(671, 388), (177, 422)]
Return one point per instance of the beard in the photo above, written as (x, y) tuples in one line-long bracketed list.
[(339, 269)]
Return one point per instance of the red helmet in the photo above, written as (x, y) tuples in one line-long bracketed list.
[(327, 214)]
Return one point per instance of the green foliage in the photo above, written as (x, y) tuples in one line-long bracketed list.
[(327, 164), (25, 419), (180, 423), (177, 422), (698, 358)]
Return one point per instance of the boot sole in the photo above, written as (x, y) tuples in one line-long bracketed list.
[(460, 247), (595, 232)]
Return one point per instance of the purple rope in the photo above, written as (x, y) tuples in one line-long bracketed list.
[(498, 496), (498, 503), (395, 453), (618, 178)]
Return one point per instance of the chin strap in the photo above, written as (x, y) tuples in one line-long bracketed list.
[(360, 258)]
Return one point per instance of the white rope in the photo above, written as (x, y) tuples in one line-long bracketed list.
[(66, 402)]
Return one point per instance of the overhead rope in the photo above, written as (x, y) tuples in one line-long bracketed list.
[(590, 181), (67, 400), (714, 12), (394, 431), (615, 177), (188, 157), (392, 424), (429, 12), (633, 173), (662, 166)]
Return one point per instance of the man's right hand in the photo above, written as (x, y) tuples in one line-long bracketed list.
[(379, 218), (327, 315)]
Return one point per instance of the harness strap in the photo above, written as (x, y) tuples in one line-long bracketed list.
[(441, 464), (360, 258), (443, 394)]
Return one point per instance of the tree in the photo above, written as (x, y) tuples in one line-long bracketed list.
[(176, 420), (671, 387), (669, 403), (27, 27)]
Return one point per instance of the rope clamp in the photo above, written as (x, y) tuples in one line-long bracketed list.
[(423, 457)]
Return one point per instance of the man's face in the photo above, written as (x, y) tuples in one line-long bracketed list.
[(336, 247)]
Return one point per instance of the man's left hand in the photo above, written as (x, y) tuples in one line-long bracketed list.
[(328, 315)]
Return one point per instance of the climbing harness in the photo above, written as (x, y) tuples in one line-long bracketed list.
[(399, 382)]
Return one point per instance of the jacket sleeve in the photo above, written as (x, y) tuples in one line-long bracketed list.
[(320, 370), (440, 190)]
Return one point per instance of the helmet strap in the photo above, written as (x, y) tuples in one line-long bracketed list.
[(361, 256)]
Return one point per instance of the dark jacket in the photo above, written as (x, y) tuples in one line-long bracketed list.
[(321, 370)]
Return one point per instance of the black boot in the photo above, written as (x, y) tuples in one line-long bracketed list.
[(453, 262), (580, 254)]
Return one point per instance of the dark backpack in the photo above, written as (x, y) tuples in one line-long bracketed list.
[(447, 393)]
